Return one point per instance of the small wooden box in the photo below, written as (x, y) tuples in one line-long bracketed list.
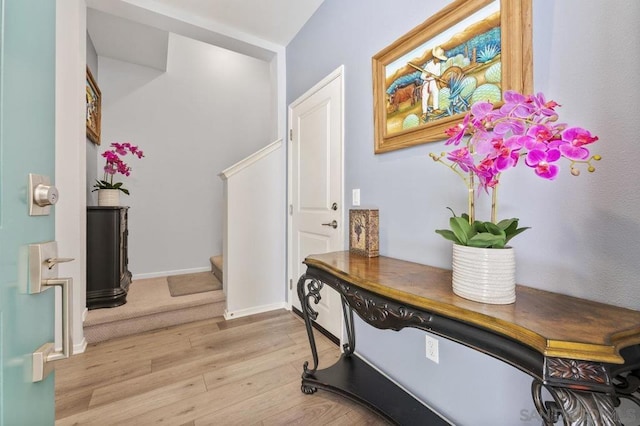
[(363, 232)]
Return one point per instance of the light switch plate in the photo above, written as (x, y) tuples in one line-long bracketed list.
[(355, 197)]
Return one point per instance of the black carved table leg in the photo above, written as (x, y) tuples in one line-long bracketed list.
[(309, 314), (350, 346), (582, 393)]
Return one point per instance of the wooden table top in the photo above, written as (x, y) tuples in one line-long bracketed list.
[(554, 324)]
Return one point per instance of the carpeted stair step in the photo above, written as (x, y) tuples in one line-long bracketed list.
[(216, 266), (150, 306)]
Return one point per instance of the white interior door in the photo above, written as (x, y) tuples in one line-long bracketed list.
[(316, 187)]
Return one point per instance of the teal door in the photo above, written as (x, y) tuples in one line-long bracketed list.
[(27, 145)]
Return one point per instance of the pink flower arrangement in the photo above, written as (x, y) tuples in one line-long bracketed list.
[(114, 164), (524, 130)]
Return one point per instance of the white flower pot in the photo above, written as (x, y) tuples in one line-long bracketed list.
[(486, 275), (108, 197)]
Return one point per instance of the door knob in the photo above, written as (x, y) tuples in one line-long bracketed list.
[(333, 224)]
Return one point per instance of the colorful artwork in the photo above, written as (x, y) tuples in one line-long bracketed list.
[(93, 109), (425, 82)]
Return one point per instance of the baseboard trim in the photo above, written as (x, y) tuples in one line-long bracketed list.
[(169, 273), (80, 347), (318, 327), (229, 315)]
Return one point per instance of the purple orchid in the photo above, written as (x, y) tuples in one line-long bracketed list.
[(114, 164), (524, 126)]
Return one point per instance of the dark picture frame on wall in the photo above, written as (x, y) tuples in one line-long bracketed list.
[(93, 109), (426, 81)]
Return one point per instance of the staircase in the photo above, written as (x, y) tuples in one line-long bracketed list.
[(216, 267), (150, 306)]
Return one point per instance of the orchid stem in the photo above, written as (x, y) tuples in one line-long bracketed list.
[(494, 204), (471, 207)]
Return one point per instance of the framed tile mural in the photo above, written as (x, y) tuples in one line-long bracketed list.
[(427, 80), (93, 108)]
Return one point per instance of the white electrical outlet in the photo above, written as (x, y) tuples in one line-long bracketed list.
[(355, 197), (432, 349)]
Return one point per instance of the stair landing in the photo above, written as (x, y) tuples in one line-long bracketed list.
[(150, 306)]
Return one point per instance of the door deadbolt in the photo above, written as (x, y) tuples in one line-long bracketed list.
[(42, 195), (334, 206)]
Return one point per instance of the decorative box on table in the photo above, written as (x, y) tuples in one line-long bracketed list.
[(363, 232)]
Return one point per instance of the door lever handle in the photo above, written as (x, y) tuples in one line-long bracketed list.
[(333, 224), (53, 261), (43, 271), (46, 354)]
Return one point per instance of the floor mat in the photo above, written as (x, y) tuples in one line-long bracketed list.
[(181, 285)]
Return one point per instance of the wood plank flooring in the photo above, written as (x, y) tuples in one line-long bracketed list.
[(240, 372)]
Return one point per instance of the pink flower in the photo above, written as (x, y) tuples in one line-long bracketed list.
[(114, 164), (541, 161), (544, 107), (573, 141), (456, 133), (461, 157)]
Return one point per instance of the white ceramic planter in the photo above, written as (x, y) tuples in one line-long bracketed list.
[(484, 275), (108, 197)]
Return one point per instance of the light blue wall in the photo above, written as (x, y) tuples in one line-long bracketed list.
[(584, 236)]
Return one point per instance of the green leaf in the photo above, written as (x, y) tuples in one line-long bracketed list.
[(494, 229), (461, 229), (126, 191), (516, 232), (449, 235), (508, 225), (486, 239)]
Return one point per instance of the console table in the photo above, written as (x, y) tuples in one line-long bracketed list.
[(586, 354)]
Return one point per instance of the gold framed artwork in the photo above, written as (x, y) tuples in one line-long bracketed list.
[(427, 80), (364, 232), (93, 109)]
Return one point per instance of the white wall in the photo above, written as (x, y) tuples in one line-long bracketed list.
[(71, 143), (255, 233), (583, 240), (211, 108)]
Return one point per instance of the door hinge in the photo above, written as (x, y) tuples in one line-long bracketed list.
[(290, 134), (290, 209), (290, 284)]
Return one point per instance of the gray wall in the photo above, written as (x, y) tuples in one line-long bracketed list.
[(210, 109), (92, 149), (583, 240)]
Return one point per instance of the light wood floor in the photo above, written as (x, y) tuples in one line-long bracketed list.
[(240, 372)]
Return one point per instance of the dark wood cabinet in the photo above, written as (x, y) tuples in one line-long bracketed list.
[(108, 275)]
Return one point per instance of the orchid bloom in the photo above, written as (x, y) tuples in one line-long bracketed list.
[(114, 164), (524, 126), (573, 141), (462, 158), (541, 162)]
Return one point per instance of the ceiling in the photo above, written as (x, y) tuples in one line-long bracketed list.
[(253, 27), (276, 21)]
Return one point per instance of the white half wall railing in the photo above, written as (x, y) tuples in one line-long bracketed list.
[(254, 232)]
